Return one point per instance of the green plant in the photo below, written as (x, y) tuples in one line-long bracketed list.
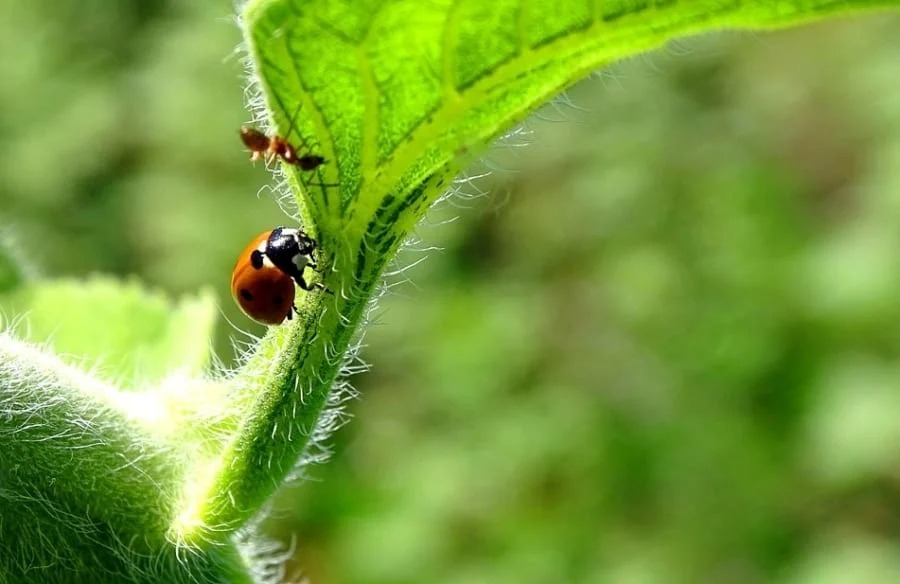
[(145, 469)]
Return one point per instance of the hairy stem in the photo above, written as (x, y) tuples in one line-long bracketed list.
[(283, 390)]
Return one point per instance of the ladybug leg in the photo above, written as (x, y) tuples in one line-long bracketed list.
[(297, 276), (306, 285), (310, 287)]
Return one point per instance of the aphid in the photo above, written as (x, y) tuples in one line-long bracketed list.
[(270, 147), (262, 282)]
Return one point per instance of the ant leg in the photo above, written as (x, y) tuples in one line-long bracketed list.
[(293, 120), (307, 161)]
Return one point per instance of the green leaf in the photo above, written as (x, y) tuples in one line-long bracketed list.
[(120, 330), (397, 96)]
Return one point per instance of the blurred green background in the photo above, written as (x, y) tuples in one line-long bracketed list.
[(664, 348)]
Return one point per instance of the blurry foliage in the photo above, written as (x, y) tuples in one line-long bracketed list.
[(689, 282)]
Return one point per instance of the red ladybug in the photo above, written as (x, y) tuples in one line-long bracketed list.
[(262, 282)]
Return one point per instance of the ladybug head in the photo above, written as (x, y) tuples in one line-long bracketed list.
[(305, 243), (285, 244)]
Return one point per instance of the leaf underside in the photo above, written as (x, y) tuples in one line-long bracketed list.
[(394, 92)]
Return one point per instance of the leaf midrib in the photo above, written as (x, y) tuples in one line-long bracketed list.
[(450, 110)]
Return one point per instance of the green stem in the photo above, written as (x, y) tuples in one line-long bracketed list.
[(283, 389)]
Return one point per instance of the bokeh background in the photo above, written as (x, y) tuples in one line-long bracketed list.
[(664, 345)]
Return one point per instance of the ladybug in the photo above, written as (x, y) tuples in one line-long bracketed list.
[(262, 282)]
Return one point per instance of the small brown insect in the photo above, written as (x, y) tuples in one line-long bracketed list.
[(268, 148)]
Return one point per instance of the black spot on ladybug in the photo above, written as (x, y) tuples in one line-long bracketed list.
[(256, 259), (245, 294), (277, 300)]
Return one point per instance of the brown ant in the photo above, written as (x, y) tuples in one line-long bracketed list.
[(268, 148)]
